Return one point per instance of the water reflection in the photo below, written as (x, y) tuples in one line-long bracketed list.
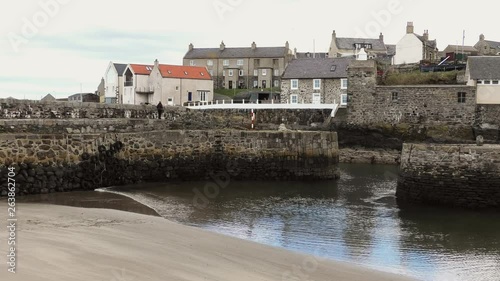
[(355, 219)]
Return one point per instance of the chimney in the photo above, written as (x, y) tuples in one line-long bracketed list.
[(191, 46), (334, 35), (254, 46), (287, 45), (481, 37), (222, 46), (295, 52), (426, 35), (409, 28), (156, 63), (381, 37)]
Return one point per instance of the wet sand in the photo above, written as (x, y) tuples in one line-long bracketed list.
[(71, 243)]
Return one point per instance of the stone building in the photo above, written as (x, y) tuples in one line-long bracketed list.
[(487, 47), (241, 68), (413, 48), (350, 47), (315, 81), (369, 103)]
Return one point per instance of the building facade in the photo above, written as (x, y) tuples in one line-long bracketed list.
[(241, 68), (315, 81), (413, 48), (113, 83), (483, 72), (487, 47), (350, 47)]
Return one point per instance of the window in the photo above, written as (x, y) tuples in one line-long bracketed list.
[(240, 73), (333, 68), (317, 84), (203, 96), (276, 83), (494, 82), (294, 84), (294, 99), (239, 62), (479, 82), (343, 83), (177, 88), (225, 62), (192, 63), (255, 72), (211, 72), (276, 72), (461, 97), (487, 82), (223, 73), (264, 72), (343, 100), (230, 72), (255, 84), (395, 96), (210, 62)]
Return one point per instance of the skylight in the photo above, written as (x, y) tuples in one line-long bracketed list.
[(333, 68), (185, 73), (202, 74)]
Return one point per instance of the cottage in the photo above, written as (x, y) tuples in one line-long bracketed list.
[(487, 47), (413, 48), (315, 81), (484, 72), (350, 47)]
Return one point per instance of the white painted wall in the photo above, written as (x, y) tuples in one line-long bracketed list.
[(110, 81), (408, 50), (488, 94)]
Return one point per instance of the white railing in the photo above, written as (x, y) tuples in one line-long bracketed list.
[(260, 105)]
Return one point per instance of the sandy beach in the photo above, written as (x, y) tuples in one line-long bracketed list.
[(68, 243)]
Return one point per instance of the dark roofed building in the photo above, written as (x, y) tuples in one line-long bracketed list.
[(120, 68), (316, 81), (87, 97), (484, 73), (48, 98), (350, 47), (242, 68), (309, 55)]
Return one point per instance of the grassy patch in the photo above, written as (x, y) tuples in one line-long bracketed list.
[(420, 78)]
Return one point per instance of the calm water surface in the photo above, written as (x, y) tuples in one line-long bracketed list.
[(355, 219)]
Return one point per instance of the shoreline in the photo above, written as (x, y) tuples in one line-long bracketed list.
[(102, 244)]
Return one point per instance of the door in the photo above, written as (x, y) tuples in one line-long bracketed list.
[(230, 84), (264, 84), (316, 99), (190, 96)]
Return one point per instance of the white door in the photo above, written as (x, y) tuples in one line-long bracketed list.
[(316, 98)]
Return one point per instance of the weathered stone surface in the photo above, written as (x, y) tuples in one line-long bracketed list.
[(454, 175)]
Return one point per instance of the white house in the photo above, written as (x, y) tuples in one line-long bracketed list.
[(413, 48), (484, 72), (137, 89), (113, 82)]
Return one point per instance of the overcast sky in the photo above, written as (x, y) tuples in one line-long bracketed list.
[(58, 46)]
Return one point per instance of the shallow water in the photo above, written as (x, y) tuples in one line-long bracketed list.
[(355, 219)]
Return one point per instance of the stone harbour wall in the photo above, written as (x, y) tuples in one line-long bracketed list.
[(452, 175), (85, 161)]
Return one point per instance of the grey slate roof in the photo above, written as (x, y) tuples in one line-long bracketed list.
[(317, 68), (391, 50), (348, 43), (430, 43), (493, 44), (484, 67), (310, 55), (120, 68), (229, 53)]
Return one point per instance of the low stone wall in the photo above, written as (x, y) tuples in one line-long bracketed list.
[(85, 161), (452, 175)]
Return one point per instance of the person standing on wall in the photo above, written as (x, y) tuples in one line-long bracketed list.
[(160, 109)]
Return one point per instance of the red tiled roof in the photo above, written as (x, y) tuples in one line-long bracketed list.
[(141, 69), (185, 72)]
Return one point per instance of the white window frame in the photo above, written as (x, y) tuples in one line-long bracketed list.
[(211, 71), (255, 84), (343, 83), (239, 62), (316, 95), (223, 73), (276, 83), (318, 87), (264, 72), (343, 99), (240, 72), (203, 95), (210, 62), (231, 72), (255, 72), (296, 82), (192, 63), (294, 99), (225, 62), (276, 72)]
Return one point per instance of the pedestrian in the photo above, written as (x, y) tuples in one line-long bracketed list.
[(160, 109)]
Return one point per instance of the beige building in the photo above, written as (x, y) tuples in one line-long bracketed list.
[(173, 85), (484, 73), (487, 47), (316, 81), (241, 68)]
